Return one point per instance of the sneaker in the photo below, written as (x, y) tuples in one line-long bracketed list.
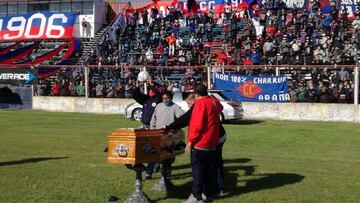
[(221, 193), (206, 198), (156, 168), (147, 176), (192, 199)]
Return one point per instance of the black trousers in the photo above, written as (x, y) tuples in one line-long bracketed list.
[(219, 168), (203, 165)]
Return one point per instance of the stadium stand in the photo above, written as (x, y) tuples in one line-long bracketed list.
[(271, 36)]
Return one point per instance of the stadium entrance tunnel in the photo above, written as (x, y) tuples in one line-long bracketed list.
[(7, 96)]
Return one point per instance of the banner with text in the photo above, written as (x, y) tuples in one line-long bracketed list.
[(39, 25), (273, 4), (350, 6), (17, 76), (253, 89)]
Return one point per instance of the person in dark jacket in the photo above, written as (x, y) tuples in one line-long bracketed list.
[(183, 121), (325, 95), (148, 101)]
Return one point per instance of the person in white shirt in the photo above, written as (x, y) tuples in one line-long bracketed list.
[(149, 56)]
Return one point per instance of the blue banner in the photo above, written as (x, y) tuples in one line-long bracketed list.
[(253, 89)]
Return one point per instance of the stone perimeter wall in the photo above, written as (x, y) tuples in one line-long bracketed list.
[(252, 110)]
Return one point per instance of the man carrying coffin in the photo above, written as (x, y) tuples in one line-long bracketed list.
[(203, 138), (164, 114), (183, 121)]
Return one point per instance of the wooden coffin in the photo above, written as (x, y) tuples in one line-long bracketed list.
[(135, 146)]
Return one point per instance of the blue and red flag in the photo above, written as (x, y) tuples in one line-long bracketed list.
[(38, 25), (17, 54), (46, 72), (7, 49), (325, 6), (46, 56)]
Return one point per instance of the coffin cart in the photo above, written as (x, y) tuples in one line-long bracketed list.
[(134, 147)]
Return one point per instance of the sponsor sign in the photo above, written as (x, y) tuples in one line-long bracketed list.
[(17, 76), (253, 89), (39, 25)]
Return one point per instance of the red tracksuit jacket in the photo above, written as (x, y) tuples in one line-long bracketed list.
[(204, 124)]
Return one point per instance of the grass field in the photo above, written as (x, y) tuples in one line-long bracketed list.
[(58, 157)]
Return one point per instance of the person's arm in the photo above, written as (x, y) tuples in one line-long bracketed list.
[(181, 121), (219, 106), (153, 119), (178, 111), (138, 96), (157, 94)]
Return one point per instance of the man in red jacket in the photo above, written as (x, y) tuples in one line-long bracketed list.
[(203, 137)]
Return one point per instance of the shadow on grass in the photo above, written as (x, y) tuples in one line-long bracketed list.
[(226, 161), (259, 182), (244, 122), (254, 182), (183, 191), (30, 160)]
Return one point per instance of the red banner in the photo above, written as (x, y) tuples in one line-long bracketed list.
[(160, 5)]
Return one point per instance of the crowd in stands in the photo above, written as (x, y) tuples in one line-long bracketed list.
[(324, 86), (275, 35), (65, 83), (270, 35)]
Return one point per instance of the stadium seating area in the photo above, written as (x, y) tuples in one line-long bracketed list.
[(276, 36)]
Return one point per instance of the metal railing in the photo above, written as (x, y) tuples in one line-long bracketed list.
[(207, 70)]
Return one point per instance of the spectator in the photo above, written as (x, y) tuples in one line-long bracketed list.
[(63, 88), (176, 28), (80, 89), (149, 57), (301, 93), (325, 95), (171, 40), (100, 89), (71, 89), (255, 57), (221, 59), (327, 22), (110, 91), (268, 47), (311, 93), (344, 74), (55, 90)]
